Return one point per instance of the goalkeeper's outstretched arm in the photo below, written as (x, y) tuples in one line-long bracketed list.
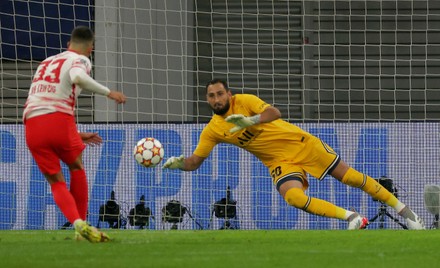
[(240, 121), (186, 164), (192, 163), (269, 114)]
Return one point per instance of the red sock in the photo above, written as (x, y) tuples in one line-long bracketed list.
[(64, 201), (79, 191)]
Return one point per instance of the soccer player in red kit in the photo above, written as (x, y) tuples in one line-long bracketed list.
[(51, 132), (288, 152)]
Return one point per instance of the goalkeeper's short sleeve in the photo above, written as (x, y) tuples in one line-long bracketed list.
[(206, 143)]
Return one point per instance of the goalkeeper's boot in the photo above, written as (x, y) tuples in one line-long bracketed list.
[(356, 222), (413, 222), (90, 233), (416, 224)]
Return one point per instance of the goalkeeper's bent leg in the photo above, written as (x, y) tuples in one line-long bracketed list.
[(356, 179), (297, 198)]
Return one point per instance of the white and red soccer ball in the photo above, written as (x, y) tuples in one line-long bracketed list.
[(148, 152)]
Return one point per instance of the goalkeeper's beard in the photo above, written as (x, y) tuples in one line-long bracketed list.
[(221, 111)]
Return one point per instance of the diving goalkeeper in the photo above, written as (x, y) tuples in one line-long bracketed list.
[(248, 122)]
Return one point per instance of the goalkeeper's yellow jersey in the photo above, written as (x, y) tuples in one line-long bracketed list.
[(270, 142)]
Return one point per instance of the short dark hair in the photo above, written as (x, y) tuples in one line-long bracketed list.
[(216, 81), (82, 34)]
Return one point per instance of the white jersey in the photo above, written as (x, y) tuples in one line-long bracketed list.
[(52, 89)]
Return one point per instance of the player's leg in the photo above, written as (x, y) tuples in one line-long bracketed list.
[(41, 132), (79, 191), (352, 177), (71, 154), (62, 196), (291, 184), (69, 149), (292, 192), (79, 186), (66, 203), (319, 159)]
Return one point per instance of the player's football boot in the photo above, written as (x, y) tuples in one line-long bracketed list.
[(78, 236), (417, 224), (413, 222), (104, 237), (90, 233), (357, 222)]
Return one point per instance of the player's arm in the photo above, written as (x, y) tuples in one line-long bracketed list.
[(240, 121), (269, 114), (186, 164), (206, 144), (90, 138), (82, 79), (192, 163)]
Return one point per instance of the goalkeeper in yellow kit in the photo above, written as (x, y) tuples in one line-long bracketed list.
[(249, 123)]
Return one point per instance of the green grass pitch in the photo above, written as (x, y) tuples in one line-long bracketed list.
[(223, 248)]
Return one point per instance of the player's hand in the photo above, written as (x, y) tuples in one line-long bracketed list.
[(117, 96), (174, 162), (240, 121), (91, 138)]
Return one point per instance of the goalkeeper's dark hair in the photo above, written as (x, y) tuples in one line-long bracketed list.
[(216, 81), (82, 34)]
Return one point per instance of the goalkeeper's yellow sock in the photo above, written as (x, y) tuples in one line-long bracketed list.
[(372, 187), (297, 198)]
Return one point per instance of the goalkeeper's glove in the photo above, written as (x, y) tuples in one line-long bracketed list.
[(240, 121), (174, 162)]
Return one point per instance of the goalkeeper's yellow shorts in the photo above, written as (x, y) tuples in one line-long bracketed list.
[(317, 159)]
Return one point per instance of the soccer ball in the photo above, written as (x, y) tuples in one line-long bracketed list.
[(148, 152)]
